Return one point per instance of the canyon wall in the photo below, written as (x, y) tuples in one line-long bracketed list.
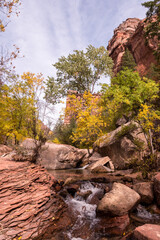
[(130, 34)]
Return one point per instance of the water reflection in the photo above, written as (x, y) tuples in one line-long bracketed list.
[(65, 173)]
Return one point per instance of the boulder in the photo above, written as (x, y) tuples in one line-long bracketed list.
[(119, 200), (113, 225), (95, 197), (58, 156), (84, 194), (4, 149), (157, 188), (103, 161), (95, 156), (145, 190), (29, 204), (147, 232), (122, 145), (69, 180), (72, 189), (101, 169)]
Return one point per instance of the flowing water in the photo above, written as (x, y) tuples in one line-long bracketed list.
[(141, 214), (84, 212), (82, 207)]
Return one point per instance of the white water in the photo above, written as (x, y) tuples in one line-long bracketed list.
[(85, 213)]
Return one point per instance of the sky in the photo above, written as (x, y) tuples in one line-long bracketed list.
[(46, 30)]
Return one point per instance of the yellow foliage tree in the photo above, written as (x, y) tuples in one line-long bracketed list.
[(89, 119), (19, 115), (146, 118)]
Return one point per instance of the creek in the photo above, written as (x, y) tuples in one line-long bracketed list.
[(82, 198), (66, 173)]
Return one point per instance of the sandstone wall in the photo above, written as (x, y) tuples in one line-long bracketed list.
[(130, 34)]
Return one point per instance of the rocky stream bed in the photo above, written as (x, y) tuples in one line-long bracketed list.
[(34, 205), (95, 202)]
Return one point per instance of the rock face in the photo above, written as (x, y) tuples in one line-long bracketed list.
[(130, 34), (29, 204), (147, 232), (119, 200), (122, 144), (145, 190), (157, 188)]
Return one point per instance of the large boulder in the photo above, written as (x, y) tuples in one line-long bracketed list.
[(119, 200), (145, 190), (147, 232), (57, 156), (60, 156), (157, 188), (122, 145)]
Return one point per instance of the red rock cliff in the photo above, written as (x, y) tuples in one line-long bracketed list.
[(130, 34)]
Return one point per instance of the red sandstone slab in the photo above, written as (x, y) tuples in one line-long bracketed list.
[(147, 232)]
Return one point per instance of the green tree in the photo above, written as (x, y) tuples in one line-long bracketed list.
[(128, 60), (154, 72), (63, 132), (126, 94), (153, 23), (79, 71)]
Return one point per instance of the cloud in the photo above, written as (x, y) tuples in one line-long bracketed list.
[(46, 30)]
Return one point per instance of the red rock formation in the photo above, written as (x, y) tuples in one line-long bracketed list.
[(29, 205), (130, 34)]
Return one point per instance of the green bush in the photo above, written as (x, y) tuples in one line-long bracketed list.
[(62, 132)]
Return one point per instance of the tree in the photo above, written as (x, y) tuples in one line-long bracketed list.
[(62, 132), (126, 94), (19, 107), (7, 69), (154, 72), (128, 60), (6, 8), (146, 118), (79, 71), (89, 119), (153, 23)]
